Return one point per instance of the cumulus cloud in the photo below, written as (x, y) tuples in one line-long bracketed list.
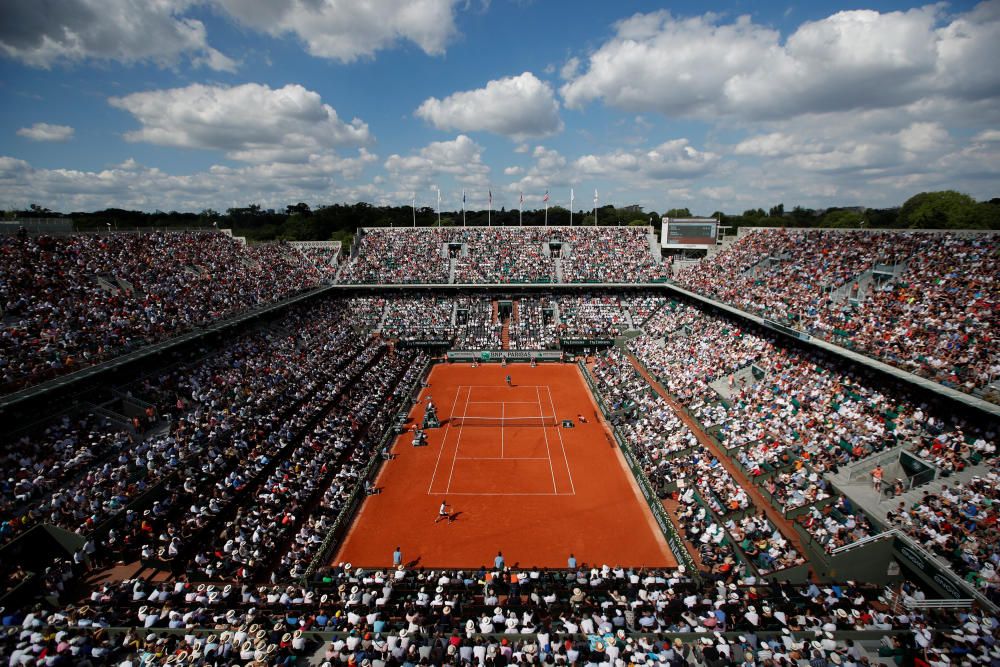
[(250, 122), (675, 159), (322, 179), (461, 158), (41, 33), (46, 132), (859, 59), (346, 30), (515, 106)]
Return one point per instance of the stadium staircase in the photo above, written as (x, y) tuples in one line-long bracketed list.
[(865, 280), (654, 247), (740, 378), (505, 334), (559, 271), (496, 311), (382, 318)]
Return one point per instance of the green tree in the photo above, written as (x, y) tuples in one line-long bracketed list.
[(777, 211), (947, 209), (842, 218), (678, 213)]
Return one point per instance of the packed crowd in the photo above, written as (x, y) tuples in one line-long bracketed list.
[(71, 301), (326, 259), (650, 426), (41, 460), (933, 313), (958, 523), (479, 328), (533, 325), (397, 256), (796, 417), (612, 255), (594, 616), (592, 316), (238, 407), (671, 457), (837, 524), (805, 406), (419, 318), (503, 255)]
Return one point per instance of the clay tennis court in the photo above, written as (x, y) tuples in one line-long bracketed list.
[(516, 481)]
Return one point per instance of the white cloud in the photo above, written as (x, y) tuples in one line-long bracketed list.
[(513, 171), (859, 59), (346, 30), (41, 33), (569, 69), (516, 106), (460, 158), (131, 185), (250, 122), (675, 159), (988, 135), (923, 137), (46, 132)]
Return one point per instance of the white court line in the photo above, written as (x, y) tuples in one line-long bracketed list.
[(496, 402), (458, 443), (561, 443), (548, 453), (502, 384), (503, 458), (500, 494), (444, 440), (503, 406)]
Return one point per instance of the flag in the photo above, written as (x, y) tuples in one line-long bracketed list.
[(463, 198), (522, 197), (491, 196), (595, 196), (571, 197), (546, 197), (439, 196)]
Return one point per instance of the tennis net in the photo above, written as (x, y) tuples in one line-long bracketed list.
[(506, 422)]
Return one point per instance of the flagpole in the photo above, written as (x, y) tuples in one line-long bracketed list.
[(489, 210), (414, 206), (595, 207), (520, 212), (571, 207), (463, 208), (439, 206)]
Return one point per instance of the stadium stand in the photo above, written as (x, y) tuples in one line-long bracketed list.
[(222, 493), (504, 255), (924, 302), (71, 301)]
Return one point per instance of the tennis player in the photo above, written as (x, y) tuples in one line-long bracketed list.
[(443, 512)]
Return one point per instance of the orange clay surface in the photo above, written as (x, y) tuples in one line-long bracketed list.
[(535, 493)]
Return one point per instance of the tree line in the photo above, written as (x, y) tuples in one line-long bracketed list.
[(300, 222)]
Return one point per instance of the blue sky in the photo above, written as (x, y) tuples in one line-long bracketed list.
[(192, 104)]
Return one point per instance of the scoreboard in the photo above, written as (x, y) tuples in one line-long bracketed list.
[(689, 232)]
